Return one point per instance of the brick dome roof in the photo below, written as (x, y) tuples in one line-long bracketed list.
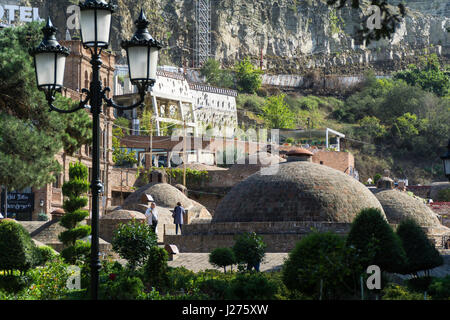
[(296, 191), (399, 206), (123, 215)]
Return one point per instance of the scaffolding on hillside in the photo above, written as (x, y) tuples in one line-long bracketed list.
[(202, 50)]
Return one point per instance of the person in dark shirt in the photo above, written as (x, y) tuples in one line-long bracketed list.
[(177, 215)]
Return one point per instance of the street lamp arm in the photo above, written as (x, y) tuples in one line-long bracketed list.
[(142, 88), (51, 98)]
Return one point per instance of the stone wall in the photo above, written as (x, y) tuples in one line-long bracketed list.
[(420, 191), (279, 236), (443, 210)]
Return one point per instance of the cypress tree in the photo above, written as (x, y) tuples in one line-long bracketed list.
[(422, 254), (375, 242)]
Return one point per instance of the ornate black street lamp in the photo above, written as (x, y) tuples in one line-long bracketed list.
[(49, 59), (446, 159)]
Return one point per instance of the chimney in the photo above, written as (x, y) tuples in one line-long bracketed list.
[(299, 154)]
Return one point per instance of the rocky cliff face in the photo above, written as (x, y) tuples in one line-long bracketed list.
[(293, 35)]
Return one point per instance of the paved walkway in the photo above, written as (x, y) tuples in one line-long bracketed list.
[(272, 262), (200, 261)]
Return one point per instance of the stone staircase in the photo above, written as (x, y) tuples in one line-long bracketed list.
[(47, 233)]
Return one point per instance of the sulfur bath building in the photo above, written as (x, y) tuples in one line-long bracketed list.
[(282, 202)]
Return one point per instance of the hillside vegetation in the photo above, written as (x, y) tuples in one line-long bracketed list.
[(400, 123)]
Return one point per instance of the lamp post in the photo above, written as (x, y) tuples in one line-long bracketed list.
[(49, 58), (446, 159)]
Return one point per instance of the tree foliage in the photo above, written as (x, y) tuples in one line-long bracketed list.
[(421, 253), (398, 118), (216, 76), (249, 249), (427, 75), (121, 155), (277, 114), (75, 251), (17, 249), (319, 257), (375, 242), (222, 257), (248, 77), (30, 136), (134, 242)]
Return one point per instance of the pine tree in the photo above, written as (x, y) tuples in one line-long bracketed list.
[(30, 136), (75, 250)]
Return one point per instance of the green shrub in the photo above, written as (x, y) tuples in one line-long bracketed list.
[(420, 252), (70, 221), (444, 195), (156, 268), (397, 292), (376, 178), (420, 284), (71, 205), (17, 249), (440, 288), (50, 281), (42, 217), (222, 257), (78, 253), (248, 77), (319, 257), (45, 254), (181, 279), (133, 241), (124, 287), (249, 249), (375, 242), (13, 283), (215, 289), (71, 236), (251, 286)]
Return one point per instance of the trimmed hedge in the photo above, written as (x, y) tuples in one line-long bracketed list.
[(17, 249)]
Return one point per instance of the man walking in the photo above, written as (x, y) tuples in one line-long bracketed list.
[(152, 216), (177, 215)]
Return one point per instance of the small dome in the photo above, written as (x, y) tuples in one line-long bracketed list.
[(200, 167), (123, 215), (164, 194), (297, 151), (296, 191), (399, 206)]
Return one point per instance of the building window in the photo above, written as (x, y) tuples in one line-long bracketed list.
[(57, 182), (86, 79), (321, 162)]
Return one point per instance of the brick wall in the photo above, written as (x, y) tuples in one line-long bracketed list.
[(341, 161)]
